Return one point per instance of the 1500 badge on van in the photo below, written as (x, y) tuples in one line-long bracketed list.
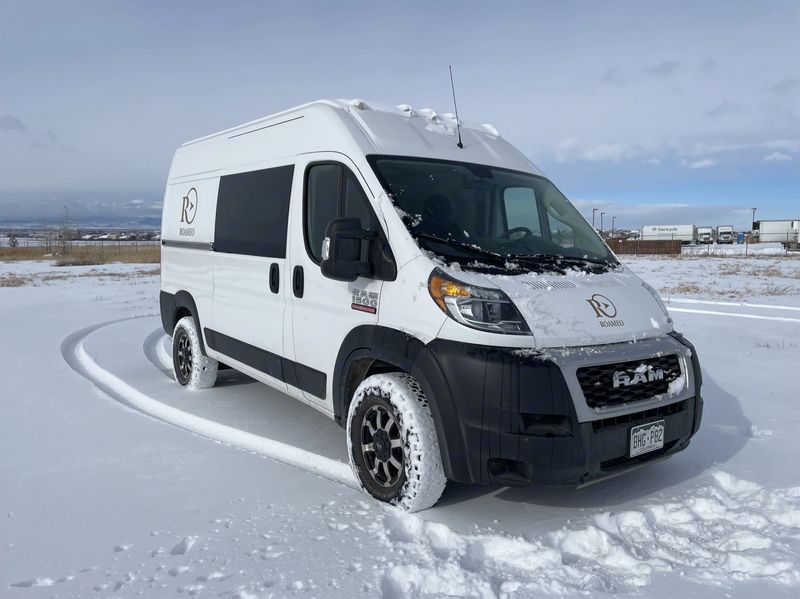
[(365, 301)]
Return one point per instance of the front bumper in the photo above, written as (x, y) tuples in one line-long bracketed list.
[(518, 417)]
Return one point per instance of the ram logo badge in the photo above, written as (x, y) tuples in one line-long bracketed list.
[(623, 379)]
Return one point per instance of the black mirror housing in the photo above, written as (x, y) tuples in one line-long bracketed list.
[(348, 250)]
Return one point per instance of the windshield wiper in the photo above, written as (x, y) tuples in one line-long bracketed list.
[(499, 259), (585, 259), (559, 260)]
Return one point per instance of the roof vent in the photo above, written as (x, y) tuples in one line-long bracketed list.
[(406, 109), (359, 104), (428, 113)]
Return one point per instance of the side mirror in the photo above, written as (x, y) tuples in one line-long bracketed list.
[(346, 250)]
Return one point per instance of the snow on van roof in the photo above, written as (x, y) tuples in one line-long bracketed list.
[(353, 127), (442, 123)]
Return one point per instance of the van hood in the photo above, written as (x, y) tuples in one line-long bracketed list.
[(579, 309)]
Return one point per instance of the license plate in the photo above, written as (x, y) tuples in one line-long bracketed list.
[(647, 437)]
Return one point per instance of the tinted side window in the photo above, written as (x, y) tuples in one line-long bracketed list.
[(253, 212), (356, 203), (322, 203), (332, 191)]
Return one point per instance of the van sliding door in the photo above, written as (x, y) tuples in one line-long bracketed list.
[(249, 265)]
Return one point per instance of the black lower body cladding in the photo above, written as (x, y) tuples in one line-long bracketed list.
[(508, 417)]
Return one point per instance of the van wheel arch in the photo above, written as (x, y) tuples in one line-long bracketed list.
[(373, 349), (176, 306)]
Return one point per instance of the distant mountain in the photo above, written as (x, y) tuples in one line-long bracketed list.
[(93, 222)]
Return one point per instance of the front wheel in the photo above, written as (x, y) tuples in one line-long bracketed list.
[(193, 369), (392, 442)]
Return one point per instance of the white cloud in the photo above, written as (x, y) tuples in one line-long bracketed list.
[(572, 150), (637, 215), (777, 157), (703, 163), (11, 123), (662, 69), (652, 161)]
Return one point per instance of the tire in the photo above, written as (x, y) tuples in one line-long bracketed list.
[(392, 443), (192, 368)]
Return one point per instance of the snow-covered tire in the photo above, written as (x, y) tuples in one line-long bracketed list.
[(192, 368), (409, 440)]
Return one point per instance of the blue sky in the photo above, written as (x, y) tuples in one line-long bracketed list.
[(653, 112)]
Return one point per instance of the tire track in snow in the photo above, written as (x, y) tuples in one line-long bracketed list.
[(734, 314), (151, 348), (76, 356), (686, 300)]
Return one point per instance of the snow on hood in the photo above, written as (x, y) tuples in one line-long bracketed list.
[(579, 308)]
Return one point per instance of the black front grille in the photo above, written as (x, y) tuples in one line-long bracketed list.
[(624, 382), (624, 461), (626, 420)]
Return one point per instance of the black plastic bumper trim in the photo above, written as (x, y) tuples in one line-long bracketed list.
[(290, 372)]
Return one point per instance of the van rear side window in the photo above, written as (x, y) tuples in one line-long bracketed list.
[(253, 212)]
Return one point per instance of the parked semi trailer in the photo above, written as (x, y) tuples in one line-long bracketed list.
[(785, 231), (686, 234)]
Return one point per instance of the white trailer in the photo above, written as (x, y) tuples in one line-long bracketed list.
[(686, 234), (705, 234), (725, 234), (786, 232)]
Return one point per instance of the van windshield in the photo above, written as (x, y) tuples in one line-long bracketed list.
[(490, 218)]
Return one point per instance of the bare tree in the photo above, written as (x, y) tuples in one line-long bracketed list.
[(66, 232)]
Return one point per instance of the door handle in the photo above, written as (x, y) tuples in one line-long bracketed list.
[(297, 281), (274, 277)]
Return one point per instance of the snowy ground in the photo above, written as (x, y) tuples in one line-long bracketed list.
[(736, 249), (143, 489)]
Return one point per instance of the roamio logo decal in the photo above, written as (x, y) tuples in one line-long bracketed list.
[(189, 211), (605, 310), (189, 208)]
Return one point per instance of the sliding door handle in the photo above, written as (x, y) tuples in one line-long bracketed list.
[(274, 277), (297, 281)]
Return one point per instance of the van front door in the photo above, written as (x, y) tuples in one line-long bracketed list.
[(249, 266), (324, 311)]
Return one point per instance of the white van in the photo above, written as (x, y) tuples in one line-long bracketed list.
[(430, 290)]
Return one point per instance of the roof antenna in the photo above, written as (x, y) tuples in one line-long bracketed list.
[(455, 105)]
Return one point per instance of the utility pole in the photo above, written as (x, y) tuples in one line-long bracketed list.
[(594, 211), (601, 223), (753, 224), (613, 219)]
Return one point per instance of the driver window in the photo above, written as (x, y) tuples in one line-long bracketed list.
[(560, 232), (332, 191), (521, 209)]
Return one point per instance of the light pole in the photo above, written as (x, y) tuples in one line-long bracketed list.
[(594, 211), (601, 223), (753, 224), (613, 219)]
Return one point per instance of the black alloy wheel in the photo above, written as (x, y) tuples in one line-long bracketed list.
[(378, 448), (182, 356)]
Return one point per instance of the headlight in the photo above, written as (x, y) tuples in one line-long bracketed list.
[(477, 307), (659, 301)]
